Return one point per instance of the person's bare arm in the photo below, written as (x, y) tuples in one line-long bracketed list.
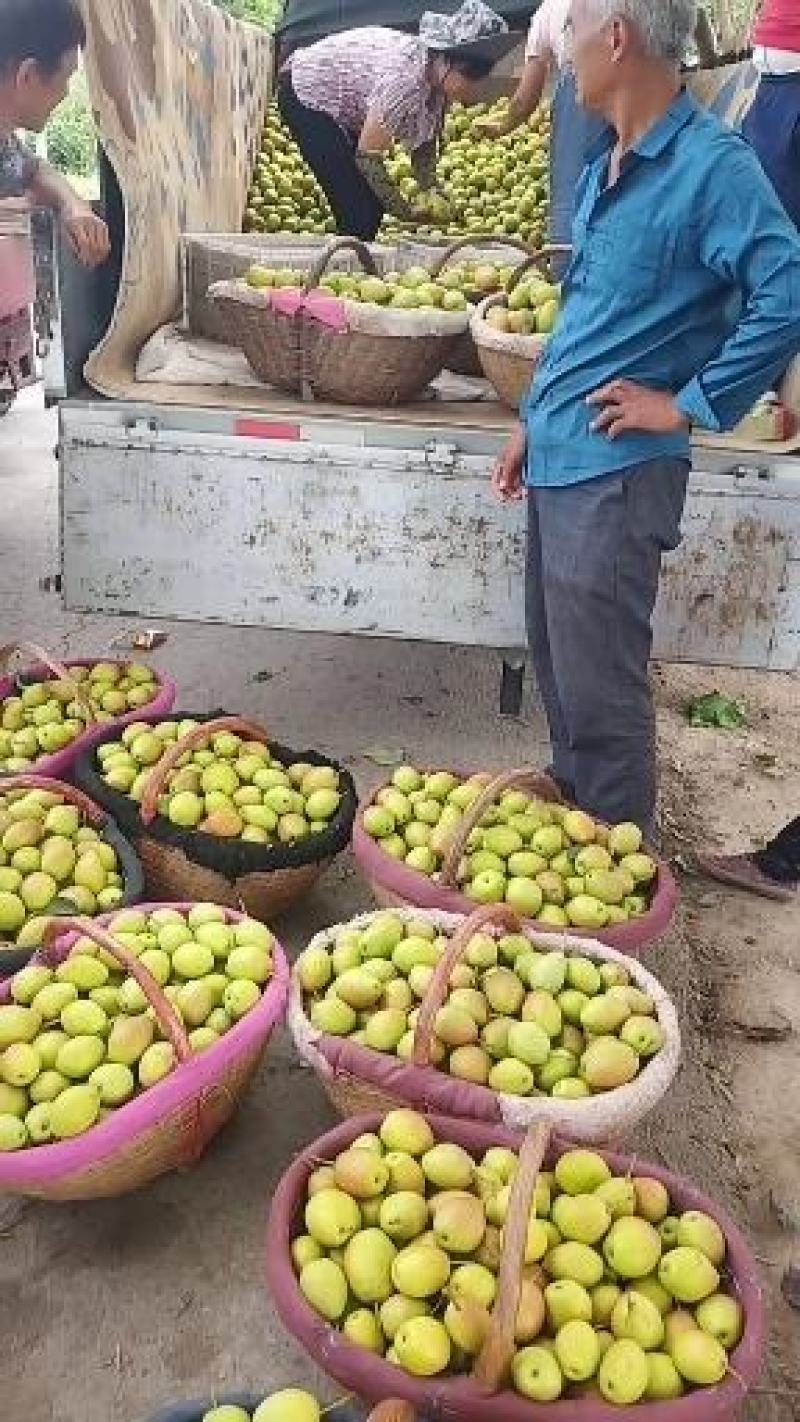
[(375, 142), (86, 233), (523, 102)]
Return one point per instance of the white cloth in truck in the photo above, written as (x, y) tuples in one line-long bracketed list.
[(172, 358)]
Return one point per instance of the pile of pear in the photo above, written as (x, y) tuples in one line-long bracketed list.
[(50, 857), (516, 1019), (550, 862), (484, 185), (44, 717), (230, 788), (80, 1040), (624, 1295)]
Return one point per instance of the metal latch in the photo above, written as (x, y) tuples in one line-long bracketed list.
[(748, 471), (138, 424), (440, 457)]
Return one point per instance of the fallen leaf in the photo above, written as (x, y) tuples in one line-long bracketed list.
[(384, 755), (716, 711)]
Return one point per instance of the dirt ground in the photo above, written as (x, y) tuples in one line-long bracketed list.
[(108, 1310)]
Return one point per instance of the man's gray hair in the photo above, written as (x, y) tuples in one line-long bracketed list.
[(666, 26)]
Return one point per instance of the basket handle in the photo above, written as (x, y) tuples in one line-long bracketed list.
[(537, 260), (495, 1357), (464, 243), (168, 1019), (487, 914), (532, 780), (340, 244), (89, 809), (58, 669), (198, 734)]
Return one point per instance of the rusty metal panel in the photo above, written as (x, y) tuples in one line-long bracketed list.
[(332, 532)]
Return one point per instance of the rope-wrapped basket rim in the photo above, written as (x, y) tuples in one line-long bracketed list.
[(593, 1118)]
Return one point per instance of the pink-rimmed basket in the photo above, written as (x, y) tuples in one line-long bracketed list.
[(395, 885), (482, 1397), (59, 765), (356, 1078), (170, 1124)]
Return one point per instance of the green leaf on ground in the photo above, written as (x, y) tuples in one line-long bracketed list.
[(716, 711)]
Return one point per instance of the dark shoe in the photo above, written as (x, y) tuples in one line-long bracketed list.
[(742, 871)]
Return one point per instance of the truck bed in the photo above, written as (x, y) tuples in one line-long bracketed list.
[(298, 518)]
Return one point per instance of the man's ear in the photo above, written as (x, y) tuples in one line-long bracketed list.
[(28, 72), (620, 39)]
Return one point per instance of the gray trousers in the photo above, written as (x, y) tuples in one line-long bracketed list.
[(594, 558)]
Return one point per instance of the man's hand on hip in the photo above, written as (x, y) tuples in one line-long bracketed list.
[(507, 475), (625, 407)]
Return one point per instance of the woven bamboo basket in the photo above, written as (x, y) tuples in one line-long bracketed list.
[(270, 339), (314, 360), (265, 880), (509, 361), (464, 359), (394, 884), (357, 1078), (44, 666), (167, 1127), (484, 1394), (13, 958)]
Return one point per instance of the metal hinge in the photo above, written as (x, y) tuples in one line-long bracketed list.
[(441, 458), (748, 471)]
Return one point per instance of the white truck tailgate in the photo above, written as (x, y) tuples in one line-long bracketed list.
[(385, 529)]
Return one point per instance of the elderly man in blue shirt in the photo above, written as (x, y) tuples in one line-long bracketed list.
[(681, 306)]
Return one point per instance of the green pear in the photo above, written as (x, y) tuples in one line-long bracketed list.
[(423, 1347), (632, 1247), (664, 1382), (324, 1285), (368, 1259), (332, 1217), (721, 1316), (420, 1270), (697, 1230), (634, 1316), (577, 1351), (699, 1358), (688, 1275), (536, 1374), (624, 1373), (584, 1218), (407, 1131), (398, 1310), (579, 1172)]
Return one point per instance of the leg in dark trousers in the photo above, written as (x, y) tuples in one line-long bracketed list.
[(780, 860), (600, 545), (561, 761), (772, 128), (331, 155)]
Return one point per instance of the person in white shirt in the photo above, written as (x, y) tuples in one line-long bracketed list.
[(574, 129)]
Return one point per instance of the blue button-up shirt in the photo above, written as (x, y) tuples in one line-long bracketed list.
[(685, 277)]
